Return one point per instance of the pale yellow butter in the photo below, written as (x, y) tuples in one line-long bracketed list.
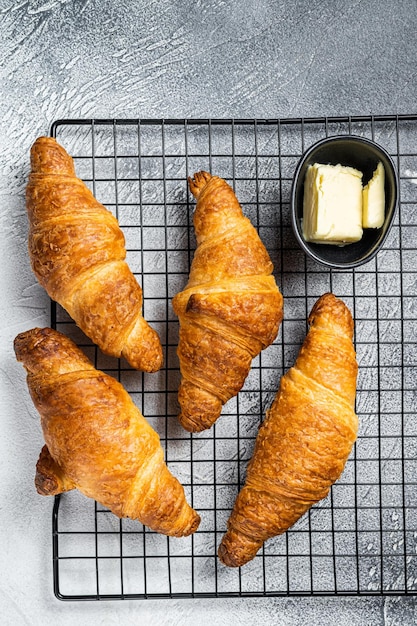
[(374, 199), (332, 208)]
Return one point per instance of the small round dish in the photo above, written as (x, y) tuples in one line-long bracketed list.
[(364, 155)]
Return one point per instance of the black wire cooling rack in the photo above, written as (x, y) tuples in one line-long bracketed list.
[(363, 538)]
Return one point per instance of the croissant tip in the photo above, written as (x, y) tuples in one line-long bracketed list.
[(39, 145), (46, 482), (149, 361), (47, 156), (151, 367), (146, 353), (224, 556), (237, 548), (196, 423), (228, 558), (46, 485), (198, 182), (194, 525), (341, 315), (44, 139), (25, 340)]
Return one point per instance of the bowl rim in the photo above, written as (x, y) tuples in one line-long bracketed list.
[(300, 239)]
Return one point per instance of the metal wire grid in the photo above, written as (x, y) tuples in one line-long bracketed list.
[(363, 538)]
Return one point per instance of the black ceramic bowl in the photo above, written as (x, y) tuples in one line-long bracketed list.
[(362, 154)]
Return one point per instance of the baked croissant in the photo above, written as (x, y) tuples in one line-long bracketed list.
[(96, 438), (230, 309), (77, 251), (305, 440)]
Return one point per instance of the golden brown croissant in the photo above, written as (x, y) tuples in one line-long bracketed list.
[(230, 309), (77, 252), (305, 440), (96, 438)]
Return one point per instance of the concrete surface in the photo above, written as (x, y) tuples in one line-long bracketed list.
[(90, 58)]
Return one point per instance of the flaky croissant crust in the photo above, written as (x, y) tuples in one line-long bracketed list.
[(96, 438), (230, 309), (305, 440), (77, 252)]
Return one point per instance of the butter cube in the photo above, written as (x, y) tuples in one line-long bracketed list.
[(374, 199), (332, 208)]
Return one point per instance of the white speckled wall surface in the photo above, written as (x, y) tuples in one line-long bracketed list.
[(155, 59)]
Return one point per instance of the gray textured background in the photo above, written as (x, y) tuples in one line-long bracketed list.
[(172, 58)]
